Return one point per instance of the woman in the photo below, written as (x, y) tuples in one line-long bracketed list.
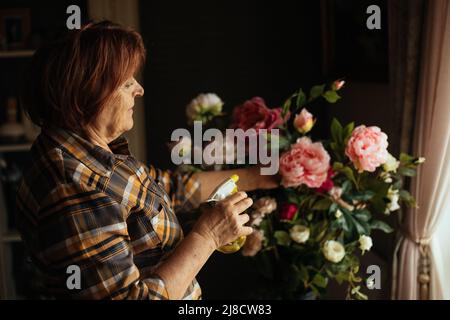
[(85, 201)]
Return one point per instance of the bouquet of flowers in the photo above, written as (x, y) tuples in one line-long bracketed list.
[(316, 226)]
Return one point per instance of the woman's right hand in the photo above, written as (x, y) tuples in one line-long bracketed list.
[(223, 222)]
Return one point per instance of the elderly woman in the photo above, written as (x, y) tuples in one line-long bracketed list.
[(86, 201)]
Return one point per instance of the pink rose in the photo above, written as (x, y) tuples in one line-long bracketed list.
[(338, 84), (305, 163), (254, 114), (304, 121), (367, 148), (288, 211)]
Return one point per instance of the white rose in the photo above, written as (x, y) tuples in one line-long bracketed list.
[(203, 103), (333, 251), (393, 197), (299, 233), (265, 205), (253, 243), (256, 219), (338, 213), (391, 164), (365, 243), (335, 192), (420, 160)]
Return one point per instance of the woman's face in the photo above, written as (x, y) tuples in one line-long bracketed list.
[(117, 117)]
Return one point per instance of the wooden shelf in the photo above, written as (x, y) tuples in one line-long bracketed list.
[(16, 54), (15, 147), (12, 236)]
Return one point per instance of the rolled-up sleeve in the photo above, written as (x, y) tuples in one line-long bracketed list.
[(183, 188), (88, 229)]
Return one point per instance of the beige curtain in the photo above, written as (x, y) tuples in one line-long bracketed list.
[(125, 13), (421, 261)]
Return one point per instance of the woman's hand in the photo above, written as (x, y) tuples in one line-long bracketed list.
[(223, 222)]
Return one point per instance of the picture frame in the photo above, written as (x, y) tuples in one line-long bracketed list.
[(14, 28)]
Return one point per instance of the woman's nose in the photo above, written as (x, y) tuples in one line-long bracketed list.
[(139, 91)]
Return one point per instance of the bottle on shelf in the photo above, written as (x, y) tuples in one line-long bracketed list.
[(12, 131)]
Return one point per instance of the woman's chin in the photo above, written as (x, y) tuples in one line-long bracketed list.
[(129, 123)]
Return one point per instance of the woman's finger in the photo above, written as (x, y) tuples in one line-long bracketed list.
[(235, 197), (242, 205), (245, 231), (243, 218)]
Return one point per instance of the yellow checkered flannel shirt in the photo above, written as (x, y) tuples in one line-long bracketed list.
[(106, 213)]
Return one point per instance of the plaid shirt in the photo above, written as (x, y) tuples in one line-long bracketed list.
[(106, 213)]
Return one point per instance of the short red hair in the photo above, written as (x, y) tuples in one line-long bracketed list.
[(71, 79)]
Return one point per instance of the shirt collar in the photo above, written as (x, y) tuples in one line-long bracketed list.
[(92, 156)]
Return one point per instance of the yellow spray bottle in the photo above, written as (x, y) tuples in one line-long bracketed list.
[(226, 188)]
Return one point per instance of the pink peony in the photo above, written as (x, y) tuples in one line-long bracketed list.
[(367, 148), (305, 163), (304, 121), (254, 114), (288, 211)]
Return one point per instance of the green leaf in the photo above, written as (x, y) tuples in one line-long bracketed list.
[(409, 172), (349, 174), (397, 184), (348, 131), (283, 142), (322, 204), (341, 277), (320, 281), (407, 197), (303, 273), (333, 208), (265, 228), (292, 197), (331, 96), (346, 186), (315, 290), (301, 99), (362, 227), (336, 130), (378, 204), (337, 166), (340, 223), (367, 195), (286, 106), (316, 91), (380, 225), (406, 158), (362, 215), (349, 222), (283, 238), (335, 147)]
